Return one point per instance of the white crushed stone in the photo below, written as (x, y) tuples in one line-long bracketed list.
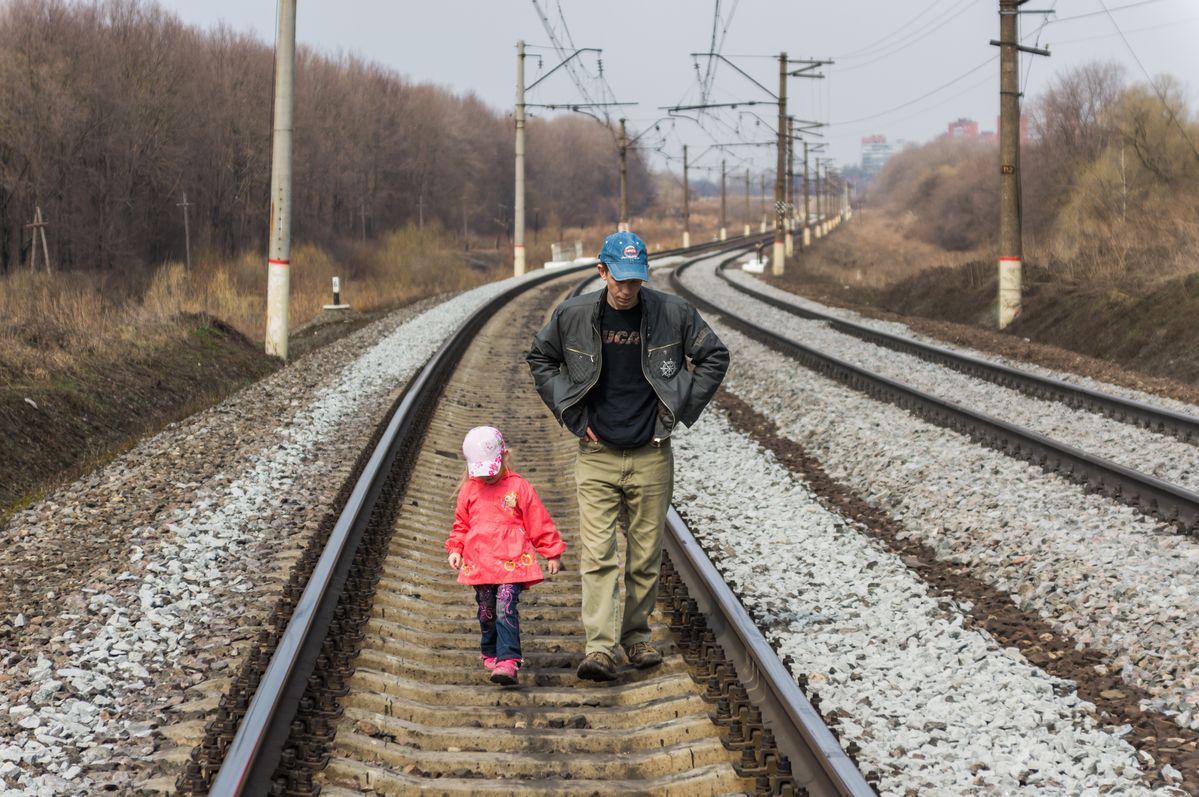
[(195, 568), (937, 707), (1162, 456), (898, 328), (1110, 577)]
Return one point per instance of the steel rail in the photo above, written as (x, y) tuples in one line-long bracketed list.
[(818, 762), (1167, 501), (731, 243), (254, 754), (1181, 425)]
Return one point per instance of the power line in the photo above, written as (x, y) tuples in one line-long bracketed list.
[(1152, 85), (1105, 11), (1060, 42), (869, 47), (715, 47), (942, 87), (915, 37), (1029, 61)]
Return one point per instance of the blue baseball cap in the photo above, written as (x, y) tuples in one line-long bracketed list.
[(624, 255)]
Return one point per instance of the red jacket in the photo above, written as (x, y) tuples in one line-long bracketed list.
[(497, 527)]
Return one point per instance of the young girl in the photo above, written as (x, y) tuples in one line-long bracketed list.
[(498, 524)]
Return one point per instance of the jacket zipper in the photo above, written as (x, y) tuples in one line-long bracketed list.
[(599, 356), (652, 386)]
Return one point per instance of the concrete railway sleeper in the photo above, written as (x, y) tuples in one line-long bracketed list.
[(392, 697), (1157, 497)]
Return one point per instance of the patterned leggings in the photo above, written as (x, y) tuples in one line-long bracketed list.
[(499, 620)]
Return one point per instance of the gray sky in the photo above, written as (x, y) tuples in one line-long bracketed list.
[(889, 54)]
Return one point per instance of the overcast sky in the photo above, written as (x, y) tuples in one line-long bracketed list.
[(903, 68)]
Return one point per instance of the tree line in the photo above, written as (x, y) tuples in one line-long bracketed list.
[(112, 110), (1109, 171)]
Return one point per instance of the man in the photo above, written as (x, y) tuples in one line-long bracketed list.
[(612, 367)]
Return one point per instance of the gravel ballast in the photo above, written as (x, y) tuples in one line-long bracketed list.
[(1097, 570), (1162, 456), (937, 707), (163, 564)]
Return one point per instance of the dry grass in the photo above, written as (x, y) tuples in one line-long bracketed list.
[(658, 232), (62, 323), (876, 250)]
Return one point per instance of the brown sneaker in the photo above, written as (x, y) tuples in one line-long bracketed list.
[(642, 655), (597, 667)]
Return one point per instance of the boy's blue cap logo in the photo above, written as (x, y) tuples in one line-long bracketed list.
[(624, 255)]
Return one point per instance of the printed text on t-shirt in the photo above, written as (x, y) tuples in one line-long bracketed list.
[(632, 338)]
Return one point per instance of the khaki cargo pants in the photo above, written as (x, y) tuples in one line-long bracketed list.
[(641, 481)]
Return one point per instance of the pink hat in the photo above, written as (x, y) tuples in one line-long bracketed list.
[(484, 451)]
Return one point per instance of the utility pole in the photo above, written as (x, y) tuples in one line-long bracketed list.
[(762, 198), (807, 231), (686, 204), (38, 230), (747, 211), (279, 255), (1011, 248), (624, 179), (819, 203), (518, 210), (789, 244), (187, 235), (723, 230), (780, 198), (518, 235)]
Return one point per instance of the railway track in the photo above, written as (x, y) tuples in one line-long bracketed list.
[(397, 701), (1181, 425), (1162, 498)]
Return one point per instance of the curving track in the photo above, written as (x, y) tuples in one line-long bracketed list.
[(1128, 480), (421, 717), (399, 702)]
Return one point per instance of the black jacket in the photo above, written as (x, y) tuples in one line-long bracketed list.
[(566, 357)]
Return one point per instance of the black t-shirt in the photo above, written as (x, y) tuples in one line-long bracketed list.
[(622, 405)]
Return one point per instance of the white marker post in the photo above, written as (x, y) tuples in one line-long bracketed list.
[(337, 305)]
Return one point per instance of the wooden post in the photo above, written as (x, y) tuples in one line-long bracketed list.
[(38, 227), (187, 235)]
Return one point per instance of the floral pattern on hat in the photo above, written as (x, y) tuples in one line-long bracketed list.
[(484, 450)]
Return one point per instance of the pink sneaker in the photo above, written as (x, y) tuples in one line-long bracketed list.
[(488, 662), (505, 672)]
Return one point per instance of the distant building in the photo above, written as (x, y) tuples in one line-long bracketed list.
[(962, 129), (875, 152)]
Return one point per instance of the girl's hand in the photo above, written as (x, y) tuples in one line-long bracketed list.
[(552, 565), (456, 560)]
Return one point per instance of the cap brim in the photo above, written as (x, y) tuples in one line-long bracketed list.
[(628, 271), (487, 467)]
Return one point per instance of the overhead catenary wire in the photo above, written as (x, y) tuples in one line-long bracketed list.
[(915, 100), (1152, 85), (870, 47), (1073, 17), (916, 37), (1172, 24)]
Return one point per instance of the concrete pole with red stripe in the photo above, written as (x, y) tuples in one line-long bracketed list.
[(1011, 250), (518, 234), (279, 256), (779, 253)]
